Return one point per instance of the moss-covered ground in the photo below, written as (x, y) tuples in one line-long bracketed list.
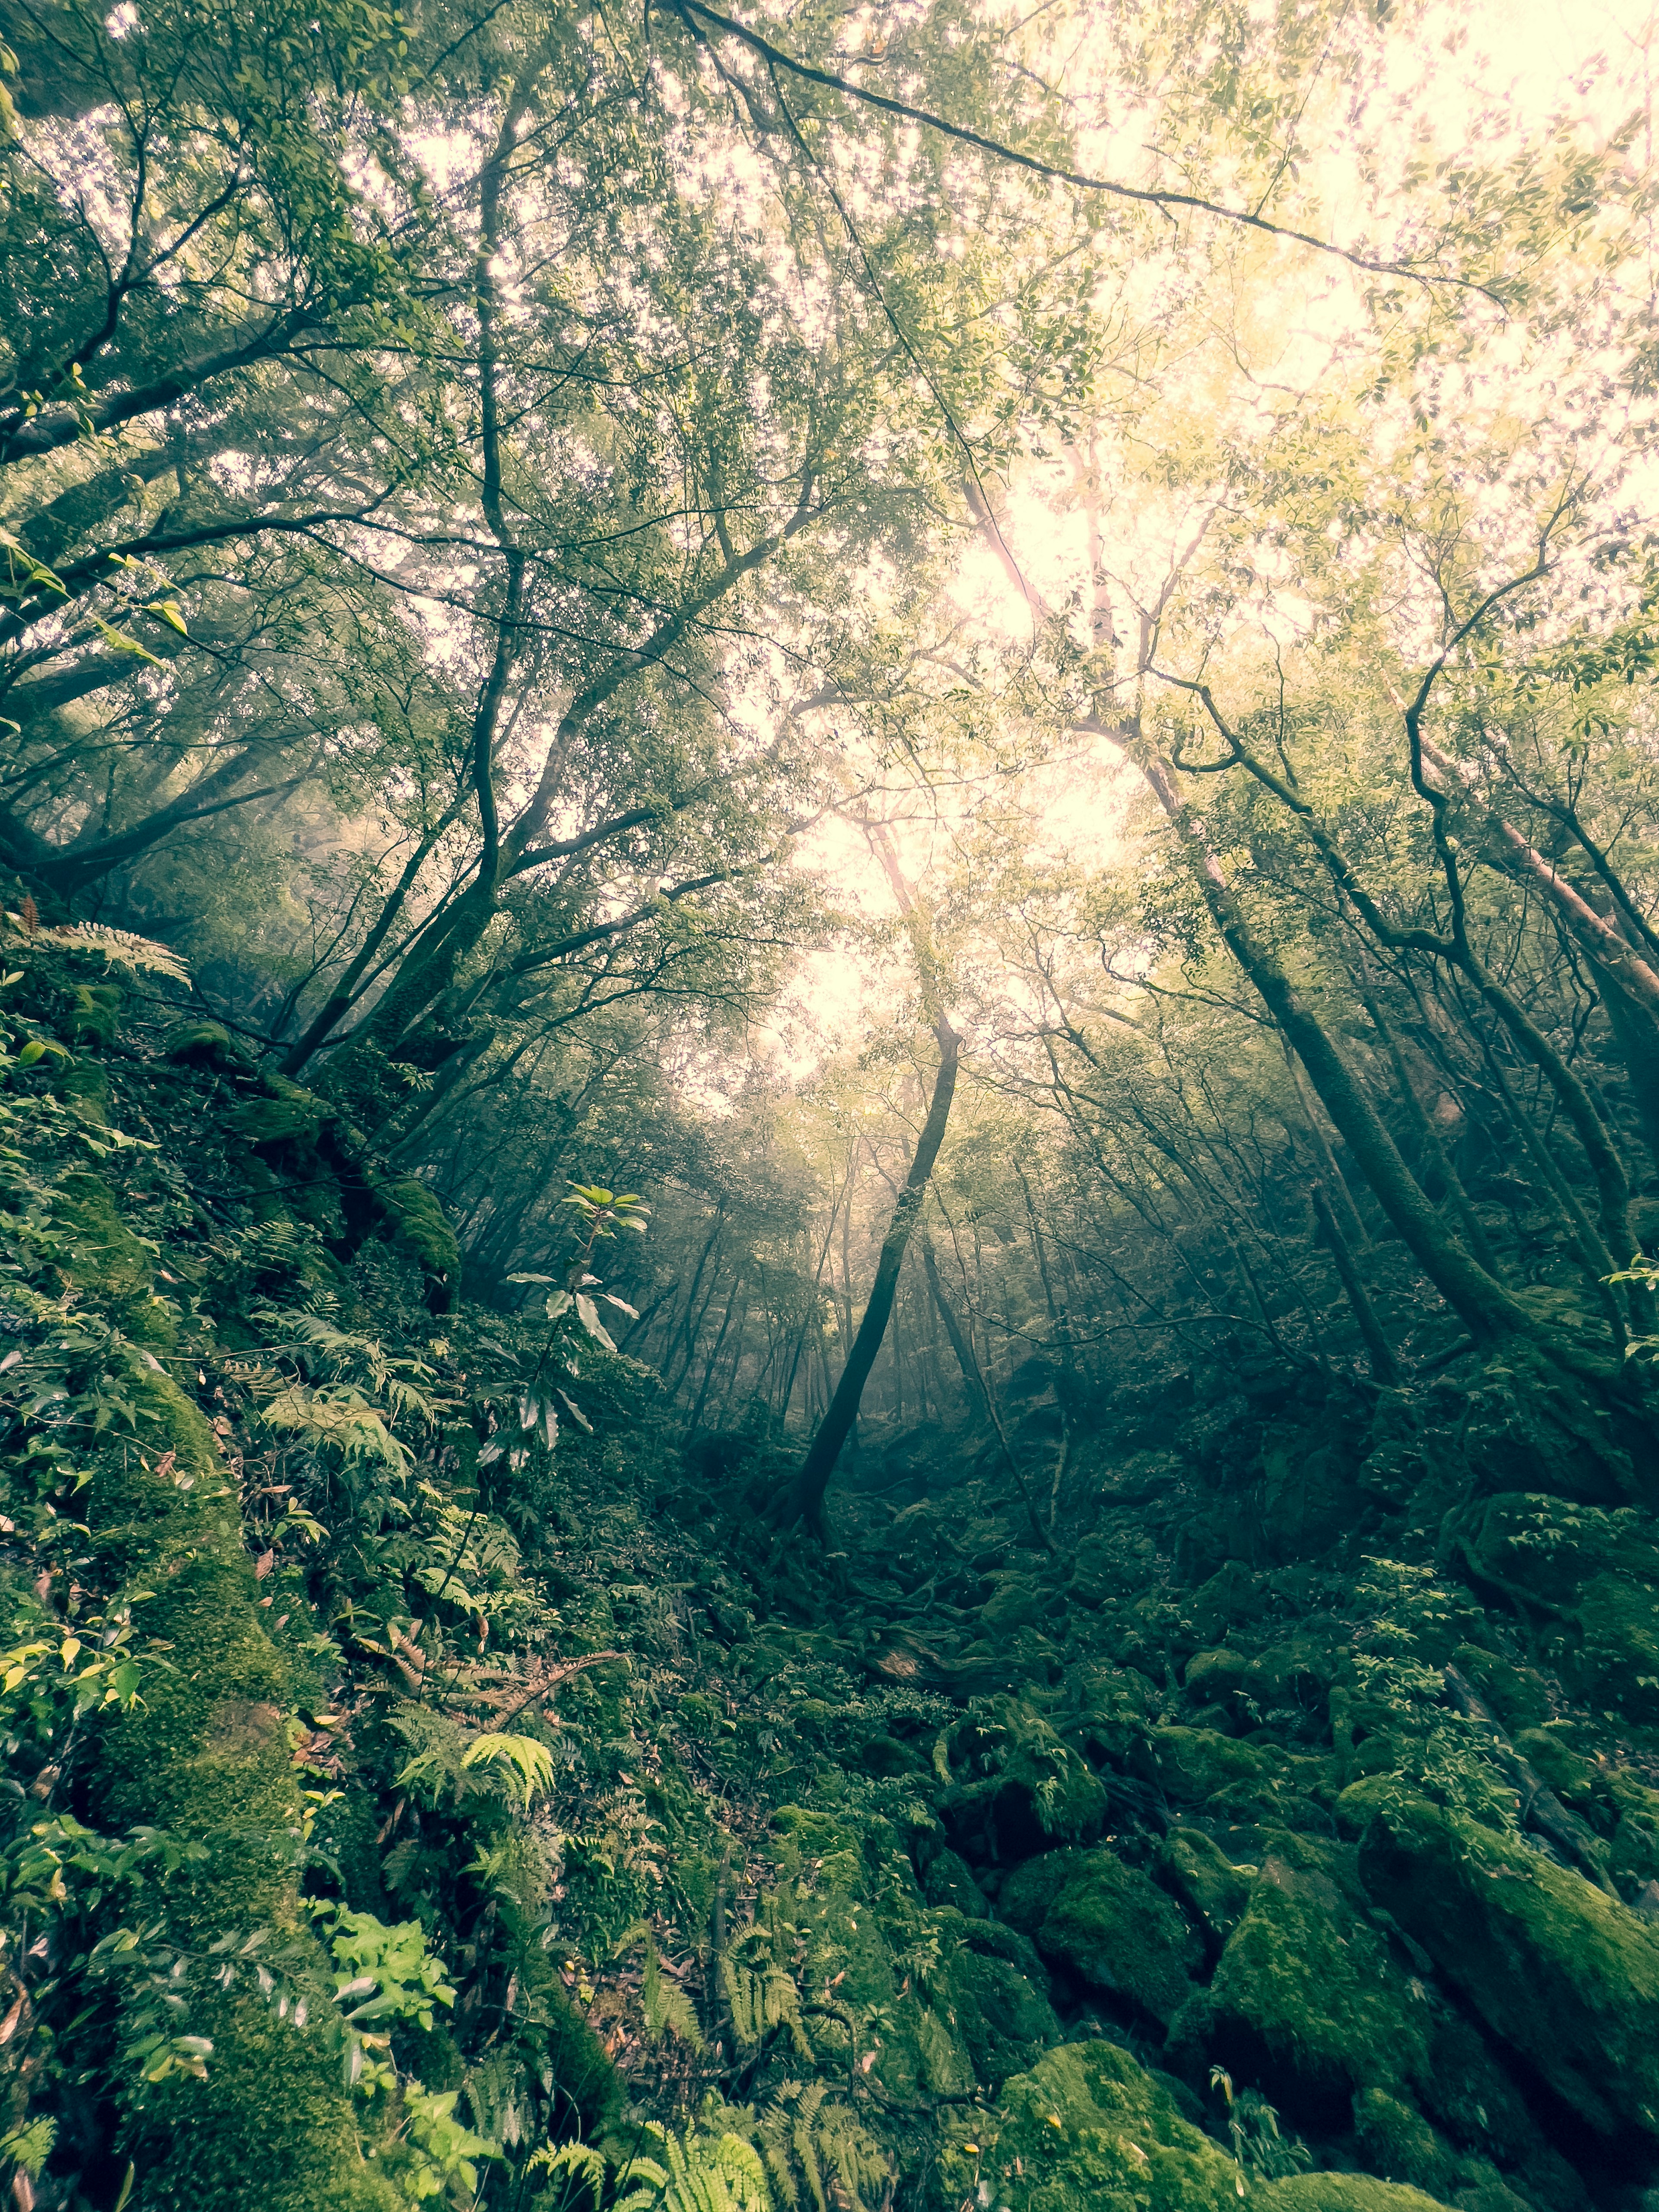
[(419, 1793)]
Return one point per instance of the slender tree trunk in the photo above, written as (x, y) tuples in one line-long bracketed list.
[(1434, 1148), (973, 1376), (1383, 1365), (1484, 1306), (806, 1497)]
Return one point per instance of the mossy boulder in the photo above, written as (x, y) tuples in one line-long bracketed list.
[(1566, 1976), (994, 2004), (1214, 1677), (1344, 2192), (1634, 1860), (1088, 2129), (949, 1879), (1596, 1570), (1309, 1999), (1107, 1923), (1398, 2143), (1519, 1695), (1039, 1791), (202, 1044), (1250, 1781), (1194, 1869)]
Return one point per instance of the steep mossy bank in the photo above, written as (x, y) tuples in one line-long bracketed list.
[(430, 1786)]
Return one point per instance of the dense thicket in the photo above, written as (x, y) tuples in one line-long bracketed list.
[(829, 1114)]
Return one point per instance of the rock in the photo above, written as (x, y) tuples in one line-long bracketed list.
[(1565, 1975), (1214, 1891), (1308, 1999), (1398, 2143), (1242, 1781), (1107, 1923), (1212, 1675), (999, 2013), (950, 1880), (1087, 2129), (1517, 1695), (1597, 1571), (1040, 1791)]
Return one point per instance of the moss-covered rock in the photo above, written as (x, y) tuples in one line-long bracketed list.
[(202, 1044), (1565, 1975), (1215, 1891), (1519, 1695), (1596, 1570), (1107, 1923), (949, 1879), (1344, 2192), (1308, 1999), (1398, 2143), (994, 2003), (1088, 2129), (1039, 1791)]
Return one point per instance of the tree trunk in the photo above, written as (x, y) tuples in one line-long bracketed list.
[(806, 1497), (1481, 1304), (1376, 1345), (973, 1376)]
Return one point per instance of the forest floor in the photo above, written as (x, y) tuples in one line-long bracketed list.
[(409, 1806)]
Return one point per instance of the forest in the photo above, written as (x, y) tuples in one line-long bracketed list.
[(829, 1106)]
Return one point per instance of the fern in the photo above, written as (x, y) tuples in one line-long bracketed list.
[(141, 954), (813, 2143), (580, 2162), (760, 1998), (698, 2173), (667, 2009), (521, 1755)]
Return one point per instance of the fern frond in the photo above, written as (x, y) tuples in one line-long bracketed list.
[(580, 2160), (141, 954)]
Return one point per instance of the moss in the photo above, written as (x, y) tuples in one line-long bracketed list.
[(1361, 1800), (1215, 1674), (1040, 1790), (1242, 1781), (1003, 2019), (286, 1114), (1344, 2193), (96, 1014), (1199, 1872), (1635, 1856), (1519, 1695), (1088, 2129), (1085, 2130), (85, 1085), (1565, 1975), (418, 1223), (202, 1044), (206, 1755), (1307, 1999), (949, 1879), (1107, 1923), (1597, 1572), (1397, 2142), (107, 1263)]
